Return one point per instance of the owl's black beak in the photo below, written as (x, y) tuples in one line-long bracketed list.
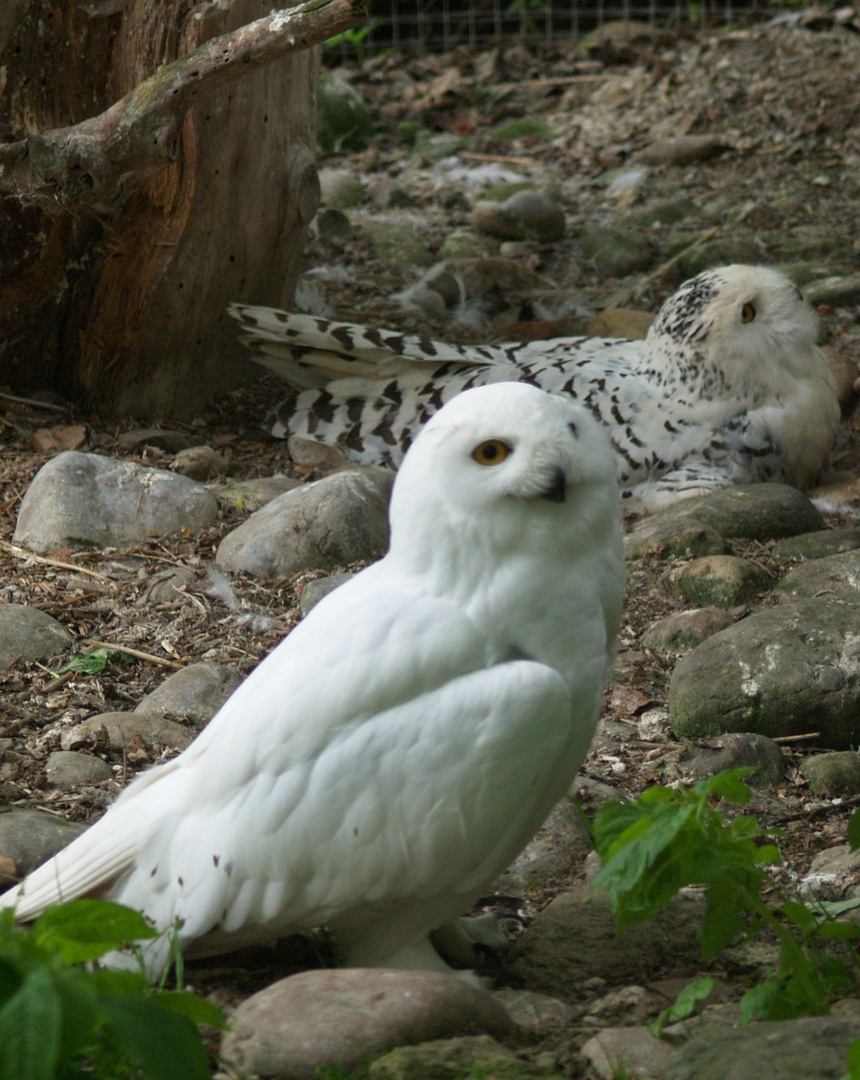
[(557, 490)]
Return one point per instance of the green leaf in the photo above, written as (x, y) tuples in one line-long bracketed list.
[(86, 929), (10, 980), (728, 785), (30, 1030), (853, 832), (165, 1045), (684, 1004), (196, 1009), (840, 931), (798, 914), (93, 663), (853, 1061)]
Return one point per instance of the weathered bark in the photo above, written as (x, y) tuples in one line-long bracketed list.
[(115, 270)]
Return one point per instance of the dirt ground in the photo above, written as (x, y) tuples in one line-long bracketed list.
[(787, 103)]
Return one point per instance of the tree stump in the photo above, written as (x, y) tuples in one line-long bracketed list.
[(115, 268)]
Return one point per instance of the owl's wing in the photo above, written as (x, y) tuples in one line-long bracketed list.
[(302, 790)]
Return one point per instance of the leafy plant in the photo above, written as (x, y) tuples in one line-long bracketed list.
[(671, 838), (60, 1020), (95, 662)]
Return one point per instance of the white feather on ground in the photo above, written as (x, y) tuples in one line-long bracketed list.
[(399, 748), (729, 386)]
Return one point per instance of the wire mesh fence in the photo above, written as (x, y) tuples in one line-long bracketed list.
[(440, 25)]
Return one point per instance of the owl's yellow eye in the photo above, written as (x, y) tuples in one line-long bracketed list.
[(491, 452), (747, 313)]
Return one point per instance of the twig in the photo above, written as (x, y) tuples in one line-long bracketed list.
[(20, 553), (90, 163), (136, 653), (32, 401), (501, 159), (623, 296), (797, 738)]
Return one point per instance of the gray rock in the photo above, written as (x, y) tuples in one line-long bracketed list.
[(396, 244), (341, 189), (30, 837), (314, 591), (465, 244), (719, 580), (838, 291), (833, 775), (537, 1013), (200, 463), (320, 526), (558, 848), (249, 495), (194, 693), (631, 1049), (67, 769), (573, 939), (751, 512), (80, 500), (343, 122), (346, 1016), (333, 226), (834, 874), (818, 544), (119, 730), (666, 537), (787, 670), (30, 634), (827, 576), (812, 1048), (684, 630), (457, 1059), (617, 251), (437, 145), (682, 150), (166, 586), (526, 215), (734, 751), (315, 455)]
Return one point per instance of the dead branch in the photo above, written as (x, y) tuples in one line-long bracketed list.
[(95, 164)]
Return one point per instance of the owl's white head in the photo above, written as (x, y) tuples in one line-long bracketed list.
[(749, 325), (506, 469)]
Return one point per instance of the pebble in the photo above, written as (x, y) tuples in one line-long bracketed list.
[(29, 634), (828, 576), (812, 1048), (30, 837), (200, 463), (785, 670), (834, 775), (682, 150), (69, 769), (120, 730), (719, 580), (537, 1013), (736, 750), (526, 215), (469, 1058), (80, 500), (343, 120), (341, 189), (346, 1016), (314, 591), (249, 495), (311, 454), (340, 519), (818, 544), (166, 586), (194, 693), (573, 939), (626, 1051), (684, 630)]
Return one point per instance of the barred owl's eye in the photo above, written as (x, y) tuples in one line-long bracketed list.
[(747, 313), (491, 452)]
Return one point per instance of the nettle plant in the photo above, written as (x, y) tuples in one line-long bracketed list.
[(670, 838), (64, 1017)]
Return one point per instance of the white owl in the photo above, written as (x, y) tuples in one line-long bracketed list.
[(727, 388), (390, 758)]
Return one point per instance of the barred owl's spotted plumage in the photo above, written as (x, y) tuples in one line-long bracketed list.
[(727, 388)]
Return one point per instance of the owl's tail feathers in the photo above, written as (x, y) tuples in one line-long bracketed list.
[(309, 352)]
